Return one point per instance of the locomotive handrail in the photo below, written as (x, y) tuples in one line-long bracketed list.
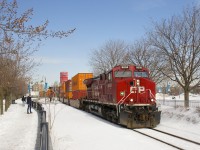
[(151, 95), (123, 100)]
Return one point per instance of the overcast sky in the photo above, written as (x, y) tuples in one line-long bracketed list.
[(96, 21)]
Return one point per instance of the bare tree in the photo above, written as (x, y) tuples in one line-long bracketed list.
[(178, 40), (12, 22), (17, 38), (109, 55), (141, 53)]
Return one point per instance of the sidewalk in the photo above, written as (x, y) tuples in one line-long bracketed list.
[(18, 130)]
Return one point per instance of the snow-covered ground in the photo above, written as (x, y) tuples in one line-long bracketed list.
[(77, 130), (73, 129), (18, 130), (177, 101)]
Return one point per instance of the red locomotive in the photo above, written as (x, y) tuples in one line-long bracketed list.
[(124, 95)]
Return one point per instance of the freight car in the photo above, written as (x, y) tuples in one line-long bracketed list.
[(79, 89), (66, 91), (124, 95)]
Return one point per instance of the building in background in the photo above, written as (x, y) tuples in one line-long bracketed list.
[(37, 87), (63, 77)]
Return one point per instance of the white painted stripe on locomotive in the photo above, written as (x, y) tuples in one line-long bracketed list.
[(116, 104)]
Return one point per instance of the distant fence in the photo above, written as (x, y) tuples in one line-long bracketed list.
[(44, 132), (178, 103)]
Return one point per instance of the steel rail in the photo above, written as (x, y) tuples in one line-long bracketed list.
[(177, 136), (158, 140)]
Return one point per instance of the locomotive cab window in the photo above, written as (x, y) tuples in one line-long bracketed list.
[(141, 74), (123, 74)]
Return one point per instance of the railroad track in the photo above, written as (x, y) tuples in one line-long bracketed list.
[(178, 145)]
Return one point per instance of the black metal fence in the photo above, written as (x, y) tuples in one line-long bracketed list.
[(179, 103), (44, 130)]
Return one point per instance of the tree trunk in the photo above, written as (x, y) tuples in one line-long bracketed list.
[(1, 106), (6, 104), (186, 98), (1, 103)]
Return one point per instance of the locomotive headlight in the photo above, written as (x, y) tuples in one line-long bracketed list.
[(122, 93), (131, 100), (138, 82), (152, 100)]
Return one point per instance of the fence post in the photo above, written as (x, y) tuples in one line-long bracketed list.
[(39, 107), (44, 129), (44, 137), (43, 116)]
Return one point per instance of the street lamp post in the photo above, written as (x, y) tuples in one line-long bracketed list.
[(45, 86), (29, 88)]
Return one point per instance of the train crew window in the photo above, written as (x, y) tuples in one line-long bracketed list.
[(131, 83), (123, 73), (140, 74)]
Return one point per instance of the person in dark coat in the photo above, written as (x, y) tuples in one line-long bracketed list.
[(23, 99), (29, 102)]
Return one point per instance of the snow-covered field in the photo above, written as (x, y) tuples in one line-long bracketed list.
[(73, 129), (177, 101), (178, 97)]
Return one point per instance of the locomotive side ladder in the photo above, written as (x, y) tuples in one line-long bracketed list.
[(121, 102)]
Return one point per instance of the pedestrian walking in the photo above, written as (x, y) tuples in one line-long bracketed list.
[(29, 102), (23, 100)]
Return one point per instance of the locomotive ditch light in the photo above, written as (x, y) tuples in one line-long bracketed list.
[(131, 100), (122, 93), (138, 82)]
